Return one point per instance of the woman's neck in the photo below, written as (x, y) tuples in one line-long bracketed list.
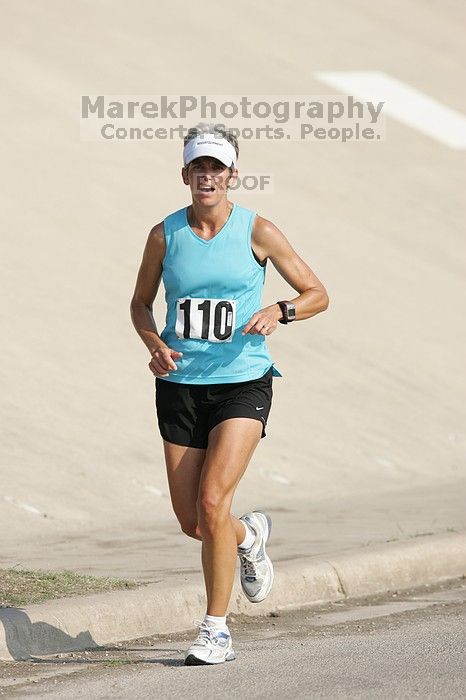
[(209, 219)]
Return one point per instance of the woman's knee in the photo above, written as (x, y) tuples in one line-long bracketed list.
[(188, 522), (213, 510), (191, 528)]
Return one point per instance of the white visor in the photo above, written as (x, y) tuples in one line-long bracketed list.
[(210, 145)]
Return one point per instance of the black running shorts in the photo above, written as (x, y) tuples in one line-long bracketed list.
[(187, 412)]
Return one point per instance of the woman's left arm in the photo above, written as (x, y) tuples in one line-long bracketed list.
[(270, 242)]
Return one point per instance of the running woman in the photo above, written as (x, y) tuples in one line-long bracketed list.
[(213, 371)]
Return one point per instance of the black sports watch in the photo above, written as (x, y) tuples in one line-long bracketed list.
[(288, 311)]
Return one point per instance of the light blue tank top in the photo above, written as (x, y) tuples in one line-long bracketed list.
[(212, 288)]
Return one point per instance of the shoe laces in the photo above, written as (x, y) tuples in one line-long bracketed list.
[(205, 631), (248, 564)]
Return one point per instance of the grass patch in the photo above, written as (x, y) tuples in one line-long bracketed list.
[(23, 587)]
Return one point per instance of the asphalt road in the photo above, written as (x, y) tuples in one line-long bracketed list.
[(401, 646)]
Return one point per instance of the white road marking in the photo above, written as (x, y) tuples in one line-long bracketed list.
[(406, 104), (457, 438), (384, 462), (24, 506), (153, 489), (275, 476)]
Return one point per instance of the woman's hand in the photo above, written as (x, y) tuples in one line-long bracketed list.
[(162, 360), (263, 322)]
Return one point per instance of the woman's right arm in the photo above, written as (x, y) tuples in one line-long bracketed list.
[(147, 285)]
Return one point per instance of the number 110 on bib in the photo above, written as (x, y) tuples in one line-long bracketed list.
[(207, 319)]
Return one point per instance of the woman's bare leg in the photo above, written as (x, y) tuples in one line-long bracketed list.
[(184, 465), (231, 446)]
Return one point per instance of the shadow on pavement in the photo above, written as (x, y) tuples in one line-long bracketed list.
[(24, 638)]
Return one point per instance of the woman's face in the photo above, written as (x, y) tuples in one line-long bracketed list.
[(208, 179)]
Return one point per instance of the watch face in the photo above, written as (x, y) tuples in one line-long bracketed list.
[(291, 312)]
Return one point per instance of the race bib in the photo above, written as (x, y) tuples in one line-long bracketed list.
[(206, 319)]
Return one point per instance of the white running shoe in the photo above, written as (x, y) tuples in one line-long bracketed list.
[(212, 646), (256, 567)]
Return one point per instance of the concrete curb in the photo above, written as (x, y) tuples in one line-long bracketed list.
[(171, 605)]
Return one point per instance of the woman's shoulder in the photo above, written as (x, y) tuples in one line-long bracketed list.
[(243, 210), (174, 222), (178, 215)]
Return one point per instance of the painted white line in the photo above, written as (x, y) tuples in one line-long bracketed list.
[(154, 490), (275, 476), (384, 462), (24, 506), (404, 103), (148, 487)]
